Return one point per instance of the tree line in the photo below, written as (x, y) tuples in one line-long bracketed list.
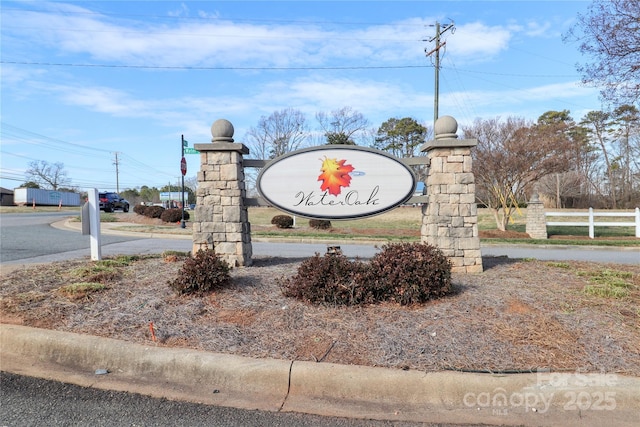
[(590, 163), (594, 162)]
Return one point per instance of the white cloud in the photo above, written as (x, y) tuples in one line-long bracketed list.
[(536, 29), (478, 42), (14, 76), (224, 43), (183, 10)]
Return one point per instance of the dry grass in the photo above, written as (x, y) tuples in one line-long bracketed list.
[(516, 315)]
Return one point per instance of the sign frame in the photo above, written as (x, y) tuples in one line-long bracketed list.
[(347, 202)]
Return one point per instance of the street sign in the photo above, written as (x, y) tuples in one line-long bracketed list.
[(183, 166), (189, 150)]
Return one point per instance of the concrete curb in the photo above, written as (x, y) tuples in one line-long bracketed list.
[(112, 228), (322, 388)]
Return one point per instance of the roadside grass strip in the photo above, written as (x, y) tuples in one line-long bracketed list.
[(608, 283), (81, 290), (603, 282)]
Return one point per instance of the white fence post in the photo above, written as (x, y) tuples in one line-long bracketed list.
[(94, 224), (592, 223)]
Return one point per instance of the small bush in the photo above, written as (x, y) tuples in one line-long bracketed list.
[(411, 272), (330, 279), (206, 272), (320, 224), (282, 221), (153, 211), (407, 273), (173, 215), (139, 209)]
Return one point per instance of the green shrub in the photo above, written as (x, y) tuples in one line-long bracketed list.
[(412, 272), (282, 221), (320, 224), (205, 272), (407, 273), (153, 211), (173, 215), (139, 209)]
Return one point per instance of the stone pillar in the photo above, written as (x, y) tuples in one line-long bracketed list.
[(536, 226), (450, 218), (222, 220)]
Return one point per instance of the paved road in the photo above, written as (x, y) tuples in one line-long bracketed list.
[(30, 235), (569, 253), (34, 402), (28, 238)]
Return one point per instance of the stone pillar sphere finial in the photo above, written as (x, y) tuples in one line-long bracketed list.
[(222, 131), (445, 128)]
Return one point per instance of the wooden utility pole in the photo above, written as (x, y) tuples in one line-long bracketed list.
[(117, 163), (439, 31)]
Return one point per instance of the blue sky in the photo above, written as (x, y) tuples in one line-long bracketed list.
[(82, 80)]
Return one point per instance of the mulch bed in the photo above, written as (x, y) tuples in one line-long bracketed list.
[(515, 316)]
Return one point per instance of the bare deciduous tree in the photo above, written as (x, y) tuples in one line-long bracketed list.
[(562, 187), (282, 132), (610, 34), (342, 126), (510, 157), (47, 175)]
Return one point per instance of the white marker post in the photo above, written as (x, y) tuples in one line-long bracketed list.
[(94, 224)]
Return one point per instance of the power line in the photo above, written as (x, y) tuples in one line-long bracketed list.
[(27, 137), (167, 67), (355, 67), (15, 132)]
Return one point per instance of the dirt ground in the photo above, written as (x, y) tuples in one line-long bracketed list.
[(518, 315)]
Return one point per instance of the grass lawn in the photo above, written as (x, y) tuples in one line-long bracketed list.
[(403, 224)]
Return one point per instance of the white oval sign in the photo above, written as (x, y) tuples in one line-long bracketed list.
[(336, 182)]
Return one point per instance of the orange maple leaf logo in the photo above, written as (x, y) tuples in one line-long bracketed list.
[(335, 174)]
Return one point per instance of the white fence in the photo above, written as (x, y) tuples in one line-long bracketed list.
[(591, 223)]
